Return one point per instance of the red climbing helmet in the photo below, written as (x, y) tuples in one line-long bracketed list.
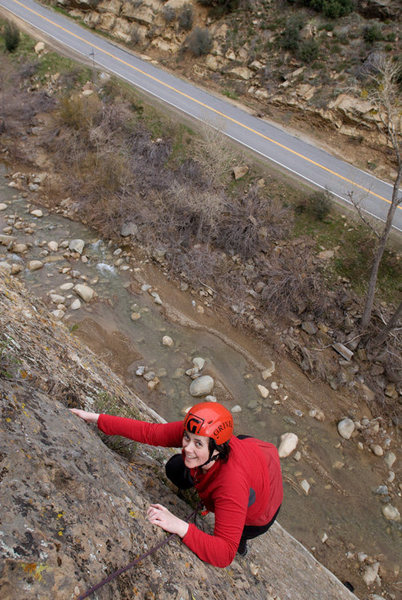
[(210, 419)]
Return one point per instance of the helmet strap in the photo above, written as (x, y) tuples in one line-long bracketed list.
[(210, 459)]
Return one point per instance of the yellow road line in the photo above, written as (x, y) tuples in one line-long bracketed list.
[(210, 108)]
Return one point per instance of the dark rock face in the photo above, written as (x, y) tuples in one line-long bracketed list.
[(379, 9)]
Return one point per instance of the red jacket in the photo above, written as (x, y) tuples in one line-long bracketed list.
[(251, 475)]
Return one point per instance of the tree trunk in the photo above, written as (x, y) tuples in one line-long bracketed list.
[(393, 322), (380, 251)]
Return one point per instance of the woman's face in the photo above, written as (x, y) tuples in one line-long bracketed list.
[(196, 450)]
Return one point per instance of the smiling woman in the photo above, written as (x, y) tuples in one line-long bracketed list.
[(237, 478)]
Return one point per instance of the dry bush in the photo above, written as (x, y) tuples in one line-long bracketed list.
[(18, 110), (199, 42), (216, 156), (190, 172), (80, 112), (293, 285), (251, 223)]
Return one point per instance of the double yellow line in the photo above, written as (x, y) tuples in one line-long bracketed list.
[(206, 106)]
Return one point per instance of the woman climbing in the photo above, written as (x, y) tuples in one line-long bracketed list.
[(237, 478)]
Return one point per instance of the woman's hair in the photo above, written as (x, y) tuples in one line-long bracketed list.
[(223, 449)]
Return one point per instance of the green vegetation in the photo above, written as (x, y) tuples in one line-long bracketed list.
[(230, 94), (354, 246), (199, 41), (334, 9), (11, 37), (308, 51), (290, 37), (186, 17), (372, 33), (8, 359), (317, 205), (220, 7)]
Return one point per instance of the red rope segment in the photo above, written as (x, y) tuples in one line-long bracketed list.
[(131, 564)]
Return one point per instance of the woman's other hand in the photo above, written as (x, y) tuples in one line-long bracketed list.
[(89, 417), (161, 516)]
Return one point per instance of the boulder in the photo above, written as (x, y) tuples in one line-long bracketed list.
[(5, 267), (58, 314), (242, 73), (240, 171), (129, 229), (305, 486), (5, 240), (199, 363), (20, 248), (345, 428), (201, 386), (39, 47), (371, 573), (167, 341), (75, 304), (264, 392), (16, 268), (76, 246), (326, 254), (268, 372), (309, 327), (288, 444), (391, 513), (85, 292), (389, 459), (3, 206), (57, 299), (109, 6), (35, 265), (212, 62), (53, 246)]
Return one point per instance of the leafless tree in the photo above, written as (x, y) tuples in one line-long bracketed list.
[(383, 93)]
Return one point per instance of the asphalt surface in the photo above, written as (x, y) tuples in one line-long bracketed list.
[(295, 156)]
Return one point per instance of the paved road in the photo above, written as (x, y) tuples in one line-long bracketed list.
[(289, 152)]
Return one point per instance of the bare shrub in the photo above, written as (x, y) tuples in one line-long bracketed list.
[(186, 17), (216, 156), (199, 42), (169, 14), (250, 224), (293, 285), (317, 205), (18, 110), (190, 172), (80, 112)]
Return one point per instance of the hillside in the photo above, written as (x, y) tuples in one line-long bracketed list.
[(73, 510), (302, 67)]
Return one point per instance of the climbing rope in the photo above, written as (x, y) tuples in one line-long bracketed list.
[(115, 574)]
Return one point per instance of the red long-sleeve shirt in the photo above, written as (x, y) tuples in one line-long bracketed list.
[(251, 475)]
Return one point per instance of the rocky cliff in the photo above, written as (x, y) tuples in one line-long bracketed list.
[(73, 508)]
